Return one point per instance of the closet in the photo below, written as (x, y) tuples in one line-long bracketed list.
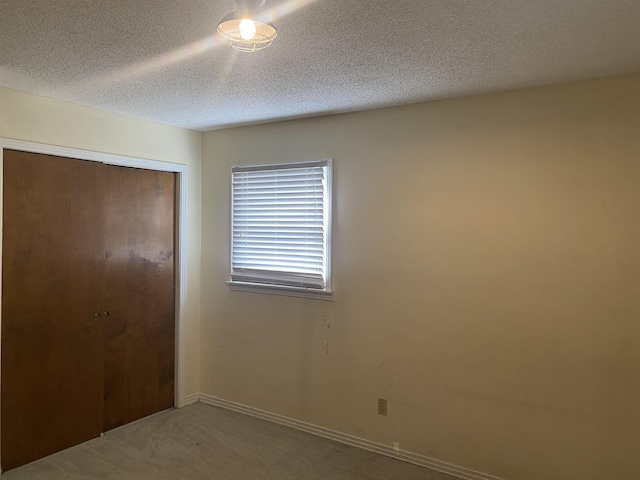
[(88, 301)]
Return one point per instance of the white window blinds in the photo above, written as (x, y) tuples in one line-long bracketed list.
[(280, 218)]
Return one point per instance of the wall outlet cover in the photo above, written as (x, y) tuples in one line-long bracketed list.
[(382, 406)]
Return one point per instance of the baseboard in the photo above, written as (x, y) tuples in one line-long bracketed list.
[(191, 399), (433, 464)]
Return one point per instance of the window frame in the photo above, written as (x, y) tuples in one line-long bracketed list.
[(275, 289)]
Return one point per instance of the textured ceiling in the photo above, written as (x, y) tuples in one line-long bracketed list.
[(162, 60)]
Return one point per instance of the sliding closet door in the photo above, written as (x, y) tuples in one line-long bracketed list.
[(139, 294), (52, 279)]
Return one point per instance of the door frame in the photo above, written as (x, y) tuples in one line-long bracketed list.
[(180, 234)]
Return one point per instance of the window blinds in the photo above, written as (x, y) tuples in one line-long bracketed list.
[(279, 215)]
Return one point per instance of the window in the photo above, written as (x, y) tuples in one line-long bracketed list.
[(281, 219)]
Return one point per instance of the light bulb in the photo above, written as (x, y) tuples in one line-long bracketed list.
[(247, 29)]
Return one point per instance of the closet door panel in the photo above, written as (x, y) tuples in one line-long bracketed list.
[(139, 294), (52, 346)]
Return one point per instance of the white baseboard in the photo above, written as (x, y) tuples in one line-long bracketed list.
[(191, 399), (433, 464)]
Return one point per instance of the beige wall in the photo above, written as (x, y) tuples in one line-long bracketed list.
[(487, 278), (43, 120)]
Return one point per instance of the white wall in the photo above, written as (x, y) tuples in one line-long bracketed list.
[(487, 278), (38, 119)]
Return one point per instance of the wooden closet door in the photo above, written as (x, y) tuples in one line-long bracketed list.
[(139, 294), (52, 285)]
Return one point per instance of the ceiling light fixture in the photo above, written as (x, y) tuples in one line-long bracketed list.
[(244, 29)]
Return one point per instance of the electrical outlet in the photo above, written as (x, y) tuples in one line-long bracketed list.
[(382, 406)]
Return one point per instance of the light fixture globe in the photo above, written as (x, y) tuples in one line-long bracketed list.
[(244, 30)]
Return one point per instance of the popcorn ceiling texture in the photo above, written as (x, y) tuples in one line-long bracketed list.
[(162, 60)]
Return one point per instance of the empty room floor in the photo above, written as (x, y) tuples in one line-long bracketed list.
[(203, 442)]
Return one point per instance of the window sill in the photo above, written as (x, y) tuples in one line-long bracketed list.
[(280, 290)]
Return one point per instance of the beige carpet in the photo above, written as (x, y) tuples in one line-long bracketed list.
[(201, 442)]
